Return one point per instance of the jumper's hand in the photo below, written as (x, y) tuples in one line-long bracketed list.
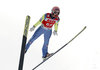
[(55, 32), (32, 28)]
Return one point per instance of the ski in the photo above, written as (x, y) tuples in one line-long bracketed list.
[(21, 61), (60, 48)]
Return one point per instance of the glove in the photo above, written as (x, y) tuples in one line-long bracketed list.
[(32, 28), (55, 32)]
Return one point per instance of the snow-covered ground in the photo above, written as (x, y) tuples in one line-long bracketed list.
[(81, 54)]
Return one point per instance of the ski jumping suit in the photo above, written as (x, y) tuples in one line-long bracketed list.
[(46, 22)]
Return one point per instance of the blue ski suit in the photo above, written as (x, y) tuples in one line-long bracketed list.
[(46, 28)]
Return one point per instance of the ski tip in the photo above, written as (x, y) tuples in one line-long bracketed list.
[(85, 26), (28, 16)]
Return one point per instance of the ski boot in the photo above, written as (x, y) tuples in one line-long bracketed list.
[(47, 56), (25, 51)]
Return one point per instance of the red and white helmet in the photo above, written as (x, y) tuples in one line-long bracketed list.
[(55, 10)]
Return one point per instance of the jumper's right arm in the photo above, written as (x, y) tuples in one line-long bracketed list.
[(36, 24), (40, 21)]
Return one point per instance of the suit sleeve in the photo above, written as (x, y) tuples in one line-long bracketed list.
[(40, 21), (56, 25)]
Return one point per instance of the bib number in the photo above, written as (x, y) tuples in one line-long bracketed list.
[(48, 24)]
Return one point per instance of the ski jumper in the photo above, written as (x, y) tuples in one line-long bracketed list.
[(46, 28)]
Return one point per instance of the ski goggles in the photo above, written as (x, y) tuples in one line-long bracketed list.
[(56, 12)]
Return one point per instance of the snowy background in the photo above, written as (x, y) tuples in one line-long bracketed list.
[(81, 54)]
